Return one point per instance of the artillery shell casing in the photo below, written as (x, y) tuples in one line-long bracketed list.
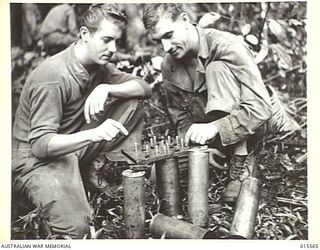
[(198, 186), (244, 218), (134, 203), (169, 139), (168, 186), (177, 141), (151, 142), (167, 147), (181, 142), (155, 140), (176, 229)]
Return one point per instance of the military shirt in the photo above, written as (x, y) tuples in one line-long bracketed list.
[(52, 100), (189, 101)]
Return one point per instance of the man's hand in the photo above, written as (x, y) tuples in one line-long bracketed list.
[(95, 102), (201, 133), (108, 130)]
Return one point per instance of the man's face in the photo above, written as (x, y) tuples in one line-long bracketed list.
[(173, 35), (102, 43)]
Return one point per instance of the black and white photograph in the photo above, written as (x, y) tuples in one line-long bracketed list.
[(159, 121)]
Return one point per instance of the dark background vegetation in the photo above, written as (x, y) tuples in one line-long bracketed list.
[(276, 31)]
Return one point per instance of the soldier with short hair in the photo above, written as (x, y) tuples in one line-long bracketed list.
[(214, 88), (73, 106)]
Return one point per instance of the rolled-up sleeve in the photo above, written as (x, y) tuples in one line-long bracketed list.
[(254, 108), (115, 76), (45, 116)]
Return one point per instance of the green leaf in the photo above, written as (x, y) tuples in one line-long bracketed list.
[(276, 29), (295, 22), (245, 29), (284, 59), (281, 120), (286, 162), (252, 39), (291, 237), (163, 236), (208, 19), (46, 207)]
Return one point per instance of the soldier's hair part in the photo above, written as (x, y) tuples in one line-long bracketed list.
[(97, 12), (153, 12)]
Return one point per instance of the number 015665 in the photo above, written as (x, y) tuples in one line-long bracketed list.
[(308, 246)]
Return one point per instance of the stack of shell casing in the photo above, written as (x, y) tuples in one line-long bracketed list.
[(165, 153), (166, 223), (157, 149)]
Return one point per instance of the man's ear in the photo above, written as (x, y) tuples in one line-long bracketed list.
[(84, 33), (184, 17)]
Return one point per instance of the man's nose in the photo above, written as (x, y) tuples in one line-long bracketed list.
[(167, 45), (112, 46)]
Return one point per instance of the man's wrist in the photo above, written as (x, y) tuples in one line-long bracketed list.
[(88, 135), (108, 88), (214, 127)]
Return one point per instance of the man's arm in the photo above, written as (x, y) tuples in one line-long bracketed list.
[(60, 145), (46, 111), (254, 108), (255, 105), (129, 89), (121, 85), (140, 88)]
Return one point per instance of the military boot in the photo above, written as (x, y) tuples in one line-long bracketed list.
[(95, 176), (241, 167)]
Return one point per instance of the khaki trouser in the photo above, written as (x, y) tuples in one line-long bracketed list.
[(59, 179), (223, 96)]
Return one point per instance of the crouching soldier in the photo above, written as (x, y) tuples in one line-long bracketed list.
[(73, 106), (214, 88)]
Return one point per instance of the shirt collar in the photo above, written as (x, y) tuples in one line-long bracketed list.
[(179, 76), (203, 46), (203, 52), (76, 68)]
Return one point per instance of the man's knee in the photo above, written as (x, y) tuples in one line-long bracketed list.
[(78, 228), (127, 112), (69, 217), (68, 222), (81, 230)]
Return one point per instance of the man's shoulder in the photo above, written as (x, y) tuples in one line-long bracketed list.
[(215, 36), (61, 7), (221, 42), (50, 69)]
